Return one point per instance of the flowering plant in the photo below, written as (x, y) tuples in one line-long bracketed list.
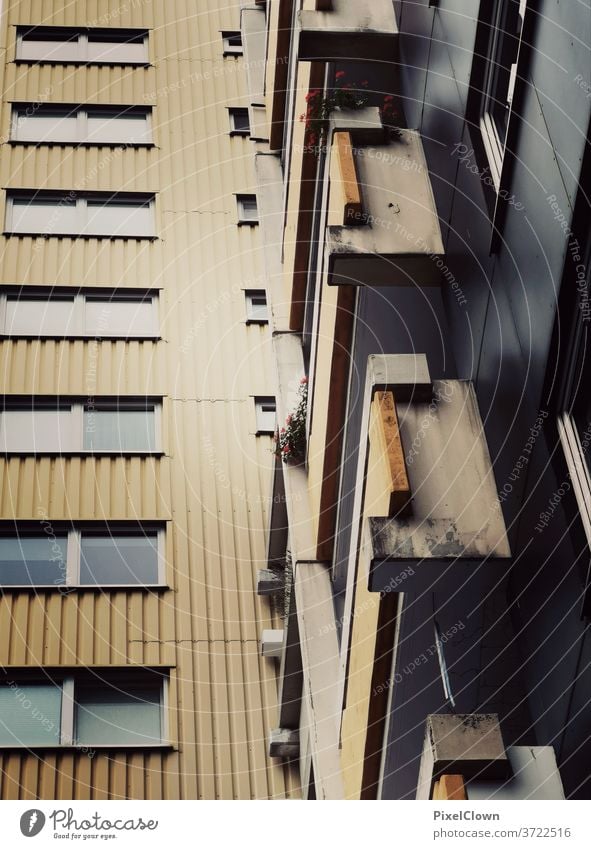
[(391, 115), (346, 95), (290, 441)]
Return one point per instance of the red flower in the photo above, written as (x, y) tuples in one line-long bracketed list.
[(288, 420), (339, 75), (364, 82), (282, 430), (304, 380), (388, 98)]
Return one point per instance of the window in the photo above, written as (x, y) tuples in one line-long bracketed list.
[(505, 30), (265, 414), (256, 306), (56, 555), (21, 705), (247, 209), (104, 709), (77, 427), (99, 215), (34, 122), (128, 430), (109, 715), (232, 41), (58, 313), (239, 122), (99, 46), (34, 559)]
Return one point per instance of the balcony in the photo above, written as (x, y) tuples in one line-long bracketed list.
[(428, 460), (364, 30), (382, 227), (464, 758)]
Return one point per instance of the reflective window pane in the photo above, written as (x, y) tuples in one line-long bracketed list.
[(119, 559), (40, 316), (38, 560), (108, 716), (30, 714), (119, 430), (37, 430), (121, 317)]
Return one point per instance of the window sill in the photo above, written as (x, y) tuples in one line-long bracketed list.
[(264, 433), (234, 53), (83, 748), (12, 234), (83, 454), (257, 321), (244, 223), (113, 144), (244, 133), (82, 63), (77, 337), (69, 589)]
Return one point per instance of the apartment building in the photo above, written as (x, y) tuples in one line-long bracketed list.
[(423, 200), (137, 417)]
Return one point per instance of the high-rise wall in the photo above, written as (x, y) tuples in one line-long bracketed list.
[(204, 481)]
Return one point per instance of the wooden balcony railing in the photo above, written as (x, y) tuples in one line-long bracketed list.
[(450, 788), (353, 211), (384, 428)]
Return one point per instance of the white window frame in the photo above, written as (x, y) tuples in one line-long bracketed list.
[(80, 201), (232, 49), (78, 328), (261, 401), (494, 145), (251, 309), (77, 409), (80, 113), (66, 738), (74, 552), (82, 45), (232, 114), (243, 202)]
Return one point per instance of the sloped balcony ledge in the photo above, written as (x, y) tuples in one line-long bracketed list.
[(397, 240), (340, 29), (455, 530)]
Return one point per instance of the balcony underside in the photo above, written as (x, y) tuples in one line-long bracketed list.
[(364, 30)]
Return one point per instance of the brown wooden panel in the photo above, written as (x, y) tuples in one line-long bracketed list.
[(387, 431), (353, 211)]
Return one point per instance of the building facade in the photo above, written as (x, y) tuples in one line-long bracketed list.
[(136, 441), (367, 222), (424, 207)]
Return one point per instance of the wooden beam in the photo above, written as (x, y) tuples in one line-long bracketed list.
[(450, 788), (353, 212), (386, 429)]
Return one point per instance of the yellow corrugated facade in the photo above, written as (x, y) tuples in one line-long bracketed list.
[(211, 487)]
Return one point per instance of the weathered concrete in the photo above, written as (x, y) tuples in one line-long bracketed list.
[(363, 30), (402, 243), (470, 745)]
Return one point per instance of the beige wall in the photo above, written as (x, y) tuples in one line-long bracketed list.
[(366, 608), (212, 486)]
